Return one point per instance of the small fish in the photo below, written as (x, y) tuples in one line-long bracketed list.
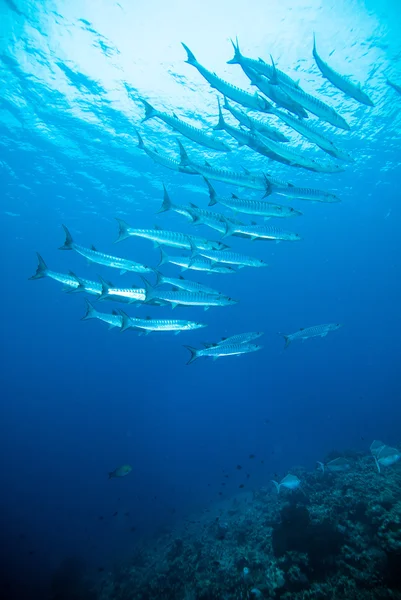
[(241, 485), (386, 457), (195, 134), (259, 208), (291, 482), (167, 238), (310, 332), (395, 86), (148, 325), (219, 351), (240, 338), (339, 81), (120, 471), (337, 465), (238, 467), (99, 258), (251, 456), (254, 124), (184, 284), (254, 101)]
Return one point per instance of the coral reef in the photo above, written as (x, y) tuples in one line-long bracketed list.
[(337, 536)]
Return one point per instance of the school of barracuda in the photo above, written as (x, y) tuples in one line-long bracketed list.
[(276, 95)]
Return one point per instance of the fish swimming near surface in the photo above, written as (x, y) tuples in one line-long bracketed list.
[(149, 325), (395, 86), (259, 208), (337, 465), (261, 66), (164, 237), (254, 101), (239, 338), (193, 133), (308, 131), (93, 255), (220, 351), (310, 332), (163, 159), (339, 81), (386, 456), (122, 471), (195, 263), (254, 124), (70, 281), (314, 105), (291, 482)]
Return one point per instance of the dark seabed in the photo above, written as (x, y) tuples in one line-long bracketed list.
[(128, 473)]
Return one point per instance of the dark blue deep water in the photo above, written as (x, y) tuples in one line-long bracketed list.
[(78, 400)]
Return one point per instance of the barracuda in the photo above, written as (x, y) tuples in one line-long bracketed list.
[(263, 232), (163, 159), (220, 351), (339, 81), (70, 281), (184, 284), (164, 237), (99, 258), (232, 258), (293, 191), (254, 101), (254, 124), (310, 332), (193, 133), (113, 320), (185, 298), (240, 338), (149, 325), (259, 208), (195, 264)]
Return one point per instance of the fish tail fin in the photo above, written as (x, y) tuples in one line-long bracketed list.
[(277, 486), (69, 242), (212, 193), (41, 269), (159, 278), (123, 232), (194, 354), (221, 123), (184, 159), (274, 77), (230, 230), (148, 288), (191, 60), (320, 466), (268, 186), (377, 463), (166, 204), (125, 321), (141, 145), (91, 312), (226, 103), (314, 44), (237, 54), (105, 289), (164, 258), (150, 112)]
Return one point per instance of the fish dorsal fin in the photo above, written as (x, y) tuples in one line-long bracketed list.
[(181, 277), (207, 164), (234, 196), (174, 115), (302, 329), (148, 318), (93, 248), (246, 170), (223, 338), (114, 312), (157, 227), (192, 205)]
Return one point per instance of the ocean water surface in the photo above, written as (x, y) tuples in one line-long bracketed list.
[(79, 400)]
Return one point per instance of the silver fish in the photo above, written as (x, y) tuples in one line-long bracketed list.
[(241, 179), (254, 124), (232, 258), (254, 101), (239, 338), (339, 81), (164, 237), (148, 325), (99, 258), (129, 295), (251, 207), (262, 232), (70, 281), (277, 94), (308, 131), (220, 351), (261, 66), (310, 332), (196, 263), (163, 159), (184, 298), (193, 133), (113, 320), (338, 465), (184, 284), (291, 482), (386, 457), (292, 191)]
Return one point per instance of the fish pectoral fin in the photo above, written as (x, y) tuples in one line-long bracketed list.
[(123, 271), (206, 307), (177, 332), (174, 305)]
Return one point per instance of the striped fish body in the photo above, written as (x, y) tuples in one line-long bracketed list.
[(190, 298), (185, 284), (259, 208), (233, 258), (240, 338), (310, 332), (220, 351), (263, 232), (254, 124)]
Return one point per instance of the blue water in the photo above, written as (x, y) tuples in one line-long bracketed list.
[(79, 400)]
